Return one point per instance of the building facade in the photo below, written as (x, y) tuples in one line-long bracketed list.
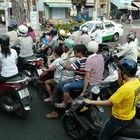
[(57, 9)]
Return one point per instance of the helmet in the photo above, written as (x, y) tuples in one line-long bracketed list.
[(69, 43), (92, 47), (84, 29), (131, 36), (53, 32), (22, 30), (62, 32), (5, 39), (129, 66), (133, 31), (10, 27)]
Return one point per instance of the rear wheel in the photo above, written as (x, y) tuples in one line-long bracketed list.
[(115, 37), (73, 128), (41, 91), (20, 111)]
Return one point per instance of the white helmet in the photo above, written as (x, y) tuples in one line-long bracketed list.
[(84, 29), (92, 47), (22, 30), (62, 32)]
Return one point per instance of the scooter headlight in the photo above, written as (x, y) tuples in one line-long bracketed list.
[(95, 89)]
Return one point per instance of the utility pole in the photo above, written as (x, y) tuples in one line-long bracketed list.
[(95, 9), (108, 8), (6, 14)]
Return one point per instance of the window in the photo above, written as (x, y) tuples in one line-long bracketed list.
[(108, 25)]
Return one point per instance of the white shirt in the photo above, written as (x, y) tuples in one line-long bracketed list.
[(97, 35), (57, 73), (129, 51), (13, 36), (8, 64)]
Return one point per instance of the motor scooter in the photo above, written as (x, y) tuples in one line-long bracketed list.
[(15, 96), (85, 121)]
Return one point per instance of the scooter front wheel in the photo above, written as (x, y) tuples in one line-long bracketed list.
[(73, 128)]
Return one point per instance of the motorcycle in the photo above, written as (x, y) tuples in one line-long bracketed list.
[(31, 68), (15, 97), (82, 121)]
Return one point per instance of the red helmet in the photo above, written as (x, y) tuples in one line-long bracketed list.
[(133, 31)]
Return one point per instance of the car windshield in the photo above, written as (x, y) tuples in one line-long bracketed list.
[(90, 25)]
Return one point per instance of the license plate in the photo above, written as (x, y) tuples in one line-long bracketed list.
[(39, 71), (23, 93)]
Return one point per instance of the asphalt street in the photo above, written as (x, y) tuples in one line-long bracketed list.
[(36, 126)]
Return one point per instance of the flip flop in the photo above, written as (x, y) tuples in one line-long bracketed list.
[(52, 115), (60, 105)]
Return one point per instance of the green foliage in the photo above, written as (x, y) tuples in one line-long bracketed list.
[(66, 26)]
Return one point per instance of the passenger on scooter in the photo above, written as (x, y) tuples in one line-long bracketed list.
[(12, 33), (75, 34), (84, 38), (78, 67), (55, 66), (25, 44), (94, 67), (123, 101), (53, 42), (66, 77), (129, 50), (8, 60)]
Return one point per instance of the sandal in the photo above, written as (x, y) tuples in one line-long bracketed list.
[(60, 105), (48, 100), (52, 115)]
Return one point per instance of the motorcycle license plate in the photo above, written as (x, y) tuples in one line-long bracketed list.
[(39, 71), (23, 93)]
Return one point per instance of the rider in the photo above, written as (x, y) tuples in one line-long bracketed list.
[(123, 101), (66, 76), (129, 49), (79, 68), (94, 67), (25, 43), (12, 33), (8, 60), (97, 34), (84, 38)]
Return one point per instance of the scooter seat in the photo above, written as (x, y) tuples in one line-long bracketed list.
[(16, 79), (132, 131)]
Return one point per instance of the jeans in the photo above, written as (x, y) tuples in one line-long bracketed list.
[(111, 127), (73, 85)]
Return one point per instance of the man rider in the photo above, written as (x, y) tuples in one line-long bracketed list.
[(123, 101), (129, 50), (94, 67)]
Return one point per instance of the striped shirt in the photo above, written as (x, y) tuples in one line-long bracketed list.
[(79, 68)]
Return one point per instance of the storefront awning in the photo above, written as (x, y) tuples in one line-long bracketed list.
[(64, 5), (130, 7), (136, 4)]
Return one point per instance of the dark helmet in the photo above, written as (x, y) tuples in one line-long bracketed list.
[(53, 32), (5, 39), (10, 27), (129, 66)]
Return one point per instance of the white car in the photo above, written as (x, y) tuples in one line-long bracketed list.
[(110, 29)]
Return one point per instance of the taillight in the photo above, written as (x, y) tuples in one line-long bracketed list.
[(38, 63)]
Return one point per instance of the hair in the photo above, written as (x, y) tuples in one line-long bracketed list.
[(58, 50), (5, 50), (30, 29), (80, 48)]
